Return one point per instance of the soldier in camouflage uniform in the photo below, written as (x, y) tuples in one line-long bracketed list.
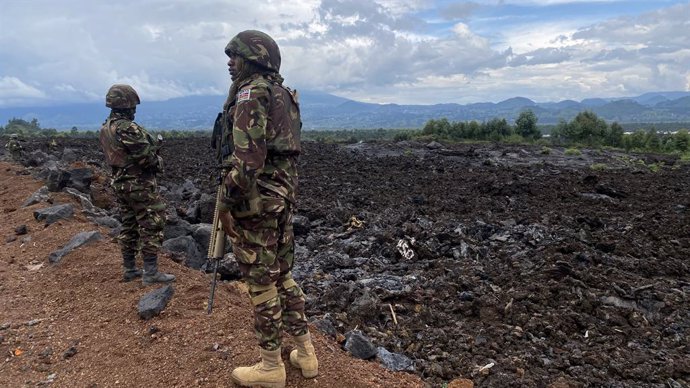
[(14, 147), (261, 121), (133, 155)]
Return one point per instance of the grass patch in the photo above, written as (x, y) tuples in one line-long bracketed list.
[(598, 167), (573, 152)]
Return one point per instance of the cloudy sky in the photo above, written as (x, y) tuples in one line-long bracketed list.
[(387, 51)]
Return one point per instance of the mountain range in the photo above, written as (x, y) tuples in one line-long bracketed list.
[(326, 111)]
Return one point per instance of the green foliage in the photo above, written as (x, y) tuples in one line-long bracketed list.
[(545, 151), (598, 167), (635, 141), (402, 136), (496, 129), (682, 140), (526, 125), (26, 128), (614, 136), (652, 140), (514, 139), (573, 152), (586, 128)]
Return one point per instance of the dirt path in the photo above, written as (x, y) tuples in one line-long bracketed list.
[(79, 305)]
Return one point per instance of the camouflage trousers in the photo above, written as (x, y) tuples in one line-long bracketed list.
[(143, 216), (264, 246)]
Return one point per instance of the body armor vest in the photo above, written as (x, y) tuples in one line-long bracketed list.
[(283, 124), (284, 127), (115, 154)]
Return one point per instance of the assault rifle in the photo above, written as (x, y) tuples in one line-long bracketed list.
[(216, 246)]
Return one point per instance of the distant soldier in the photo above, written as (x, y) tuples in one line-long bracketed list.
[(15, 149), (261, 121), (133, 155)]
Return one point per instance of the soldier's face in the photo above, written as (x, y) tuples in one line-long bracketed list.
[(233, 66)]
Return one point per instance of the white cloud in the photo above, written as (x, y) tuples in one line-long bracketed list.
[(15, 91), (551, 2), (381, 50)]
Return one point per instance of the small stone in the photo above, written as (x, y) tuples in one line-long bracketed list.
[(76, 241), (21, 229), (53, 214), (466, 296), (154, 302), (45, 353), (70, 352), (480, 340), (359, 346)]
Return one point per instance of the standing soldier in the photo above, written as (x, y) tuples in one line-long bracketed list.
[(14, 147), (261, 121), (133, 155)]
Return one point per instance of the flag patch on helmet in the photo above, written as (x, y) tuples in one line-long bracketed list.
[(244, 95)]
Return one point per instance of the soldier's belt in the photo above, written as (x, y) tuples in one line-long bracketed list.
[(132, 170)]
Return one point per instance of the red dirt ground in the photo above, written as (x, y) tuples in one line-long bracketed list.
[(80, 302)]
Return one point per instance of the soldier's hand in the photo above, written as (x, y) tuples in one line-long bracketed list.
[(226, 219)]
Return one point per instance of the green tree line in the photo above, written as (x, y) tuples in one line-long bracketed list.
[(497, 129), (33, 128), (586, 129)]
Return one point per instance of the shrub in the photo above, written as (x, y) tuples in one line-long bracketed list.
[(573, 152)]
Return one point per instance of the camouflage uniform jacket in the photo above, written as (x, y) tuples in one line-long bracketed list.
[(264, 127), (129, 149)]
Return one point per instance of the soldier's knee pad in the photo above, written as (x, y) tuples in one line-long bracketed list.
[(261, 294), (289, 285), (288, 281)]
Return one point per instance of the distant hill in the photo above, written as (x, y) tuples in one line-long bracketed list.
[(326, 111)]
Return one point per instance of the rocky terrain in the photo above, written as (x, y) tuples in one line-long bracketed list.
[(492, 265)]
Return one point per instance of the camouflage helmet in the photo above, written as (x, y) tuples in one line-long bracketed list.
[(121, 97), (14, 136), (256, 47)]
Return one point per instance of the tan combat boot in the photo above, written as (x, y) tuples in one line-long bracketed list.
[(268, 373), (304, 356)]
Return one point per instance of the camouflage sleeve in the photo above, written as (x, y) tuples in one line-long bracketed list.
[(249, 140), (141, 150)]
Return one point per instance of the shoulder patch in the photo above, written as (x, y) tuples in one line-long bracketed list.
[(244, 95)]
